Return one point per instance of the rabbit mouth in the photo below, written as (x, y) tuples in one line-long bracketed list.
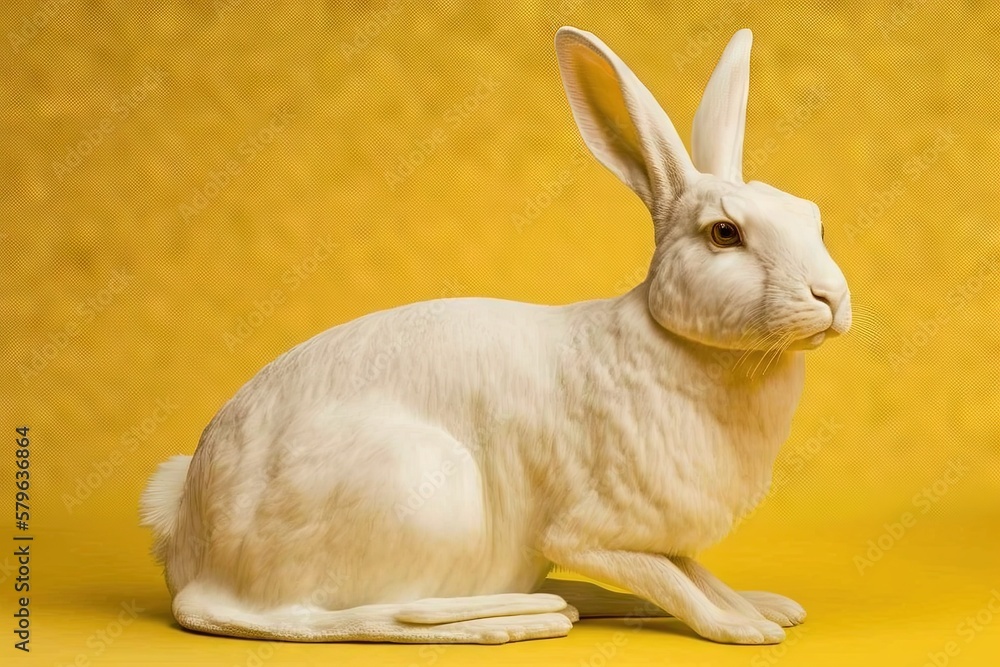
[(812, 341)]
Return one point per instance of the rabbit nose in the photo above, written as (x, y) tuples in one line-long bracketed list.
[(829, 295), (838, 300), (825, 295)]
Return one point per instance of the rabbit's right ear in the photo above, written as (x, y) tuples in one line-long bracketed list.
[(621, 123)]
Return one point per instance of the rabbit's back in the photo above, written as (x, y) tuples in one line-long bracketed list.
[(433, 358)]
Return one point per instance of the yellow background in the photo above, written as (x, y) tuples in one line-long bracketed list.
[(191, 189)]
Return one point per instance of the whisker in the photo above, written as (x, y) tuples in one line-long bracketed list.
[(746, 354), (756, 323), (783, 345), (776, 351), (775, 347)]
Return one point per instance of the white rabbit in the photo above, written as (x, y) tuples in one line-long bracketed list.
[(413, 475)]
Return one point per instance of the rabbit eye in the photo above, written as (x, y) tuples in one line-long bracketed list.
[(726, 235)]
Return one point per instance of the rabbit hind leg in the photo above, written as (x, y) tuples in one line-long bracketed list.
[(593, 601), (486, 619)]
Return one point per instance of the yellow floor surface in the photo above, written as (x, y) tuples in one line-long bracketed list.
[(932, 597)]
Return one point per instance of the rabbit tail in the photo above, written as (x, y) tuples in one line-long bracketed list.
[(161, 500)]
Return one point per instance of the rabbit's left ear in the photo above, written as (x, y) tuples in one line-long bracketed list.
[(620, 121), (720, 122)]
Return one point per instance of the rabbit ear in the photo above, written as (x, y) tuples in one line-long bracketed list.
[(719, 124), (619, 119)]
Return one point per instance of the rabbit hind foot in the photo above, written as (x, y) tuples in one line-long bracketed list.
[(485, 619)]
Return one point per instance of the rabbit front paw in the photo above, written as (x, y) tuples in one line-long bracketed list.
[(777, 608), (733, 628)]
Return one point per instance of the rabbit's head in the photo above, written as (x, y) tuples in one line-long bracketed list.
[(737, 265)]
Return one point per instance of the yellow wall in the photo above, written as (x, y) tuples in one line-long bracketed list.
[(190, 190)]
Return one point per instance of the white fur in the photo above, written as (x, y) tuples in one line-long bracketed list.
[(720, 122), (369, 482), (160, 502)]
